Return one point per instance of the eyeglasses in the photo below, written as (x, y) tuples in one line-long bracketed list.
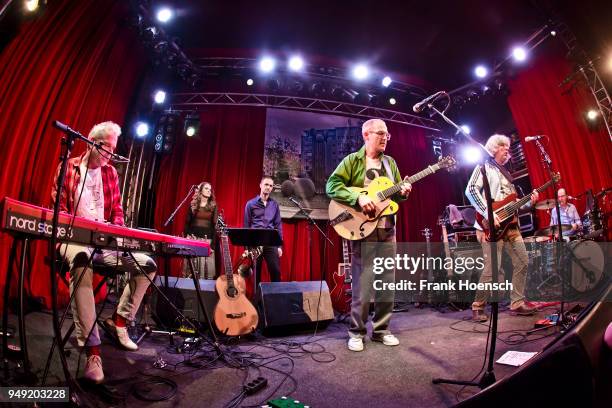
[(381, 134)]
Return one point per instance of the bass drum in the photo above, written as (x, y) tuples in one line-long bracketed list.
[(586, 261)]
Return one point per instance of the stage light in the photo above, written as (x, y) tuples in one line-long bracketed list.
[(466, 129), (392, 101), (553, 33), (31, 5), (192, 124), (142, 129), (360, 72), (267, 64), (296, 63), (164, 15), (250, 82), (519, 54), (160, 97), (610, 63), (386, 81), (471, 154), (481, 71), (592, 114)]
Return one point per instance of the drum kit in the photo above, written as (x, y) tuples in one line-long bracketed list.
[(581, 258)]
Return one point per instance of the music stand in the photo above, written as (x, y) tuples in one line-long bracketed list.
[(254, 237)]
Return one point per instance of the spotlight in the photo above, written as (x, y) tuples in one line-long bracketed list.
[(481, 71), (466, 129), (519, 54), (386, 81), (164, 15), (610, 63), (267, 64), (296, 63), (471, 154), (192, 124), (392, 101), (249, 82), (361, 72), (553, 33), (592, 114), (31, 5), (160, 97), (142, 129)]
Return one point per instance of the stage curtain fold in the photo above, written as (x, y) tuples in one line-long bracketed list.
[(579, 150), (79, 63)]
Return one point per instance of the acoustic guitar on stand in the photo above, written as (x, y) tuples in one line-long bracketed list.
[(235, 315), (352, 224)]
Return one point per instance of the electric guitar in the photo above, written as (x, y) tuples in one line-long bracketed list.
[(352, 224), (340, 294), (506, 210), (234, 313)]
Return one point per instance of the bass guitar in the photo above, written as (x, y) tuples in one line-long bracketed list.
[(352, 224), (235, 315), (506, 210)]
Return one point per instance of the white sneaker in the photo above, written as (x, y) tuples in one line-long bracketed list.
[(122, 336), (93, 369), (355, 344), (387, 340)]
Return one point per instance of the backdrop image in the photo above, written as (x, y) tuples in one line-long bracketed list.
[(301, 150)]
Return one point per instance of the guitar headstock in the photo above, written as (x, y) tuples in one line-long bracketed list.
[(446, 162), (556, 177), (221, 226)]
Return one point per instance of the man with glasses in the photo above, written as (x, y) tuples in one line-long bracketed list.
[(569, 214), (358, 169)]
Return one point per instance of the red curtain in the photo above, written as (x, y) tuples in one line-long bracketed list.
[(580, 151), (229, 154), (78, 63)]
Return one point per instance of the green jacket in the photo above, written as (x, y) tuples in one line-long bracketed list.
[(351, 173)]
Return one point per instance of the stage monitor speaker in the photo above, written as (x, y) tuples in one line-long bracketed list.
[(182, 293), (293, 305)]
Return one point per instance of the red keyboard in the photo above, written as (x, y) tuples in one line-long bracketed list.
[(23, 218)]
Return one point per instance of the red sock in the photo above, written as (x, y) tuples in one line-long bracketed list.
[(92, 351), (120, 321)]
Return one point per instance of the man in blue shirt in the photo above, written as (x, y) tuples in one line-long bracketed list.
[(569, 214), (263, 212)]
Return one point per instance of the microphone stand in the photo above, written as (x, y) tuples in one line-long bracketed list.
[(488, 378), (547, 163), (71, 136)]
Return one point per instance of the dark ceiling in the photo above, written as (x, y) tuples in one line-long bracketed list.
[(439, 41)]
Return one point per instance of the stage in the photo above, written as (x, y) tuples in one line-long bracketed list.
[(318, 371)]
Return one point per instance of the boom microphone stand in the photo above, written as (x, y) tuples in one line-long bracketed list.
[(488, 377)]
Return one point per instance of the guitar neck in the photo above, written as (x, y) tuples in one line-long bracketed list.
[(227, 261), (518, 204), (412, 179)]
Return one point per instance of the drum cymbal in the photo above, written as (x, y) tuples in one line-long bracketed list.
[(564, 227), (545, 204)]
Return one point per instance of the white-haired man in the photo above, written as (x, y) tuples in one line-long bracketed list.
[(500, 181), (358, 170), (91, 190)]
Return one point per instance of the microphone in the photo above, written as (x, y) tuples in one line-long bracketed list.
[(421, 105), (66, 129), (569, 197), (532, 138), (296, 202), (119, 158)]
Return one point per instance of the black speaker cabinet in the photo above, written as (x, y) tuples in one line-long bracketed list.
[(293, 306), (182, 294)]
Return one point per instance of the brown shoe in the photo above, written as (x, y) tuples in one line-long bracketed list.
[(479, 316), (523, 310)]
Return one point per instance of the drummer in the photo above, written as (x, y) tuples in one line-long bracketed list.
[(569, 214)]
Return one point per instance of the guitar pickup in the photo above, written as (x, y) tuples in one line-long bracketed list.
[(235, 315)]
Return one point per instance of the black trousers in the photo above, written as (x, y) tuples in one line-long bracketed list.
[(270, 254)]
